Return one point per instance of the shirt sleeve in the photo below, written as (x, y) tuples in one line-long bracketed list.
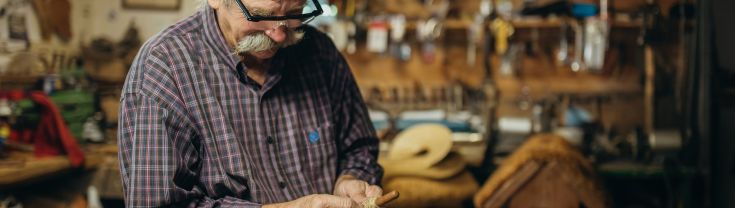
[(159, 162), (155, 156), (357, 140)]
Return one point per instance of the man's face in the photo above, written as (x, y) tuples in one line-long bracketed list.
[(259, 39)]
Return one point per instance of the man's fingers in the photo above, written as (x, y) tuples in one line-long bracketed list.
[(358, 197), (373, 191), (331, 201), (355, 189)]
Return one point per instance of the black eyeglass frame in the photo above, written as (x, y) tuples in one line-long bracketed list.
[(306, 18)]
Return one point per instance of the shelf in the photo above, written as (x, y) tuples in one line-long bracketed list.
[(19, 168), (524, 23), (579, 85), (12, 79), (532, 23), (449, 24)]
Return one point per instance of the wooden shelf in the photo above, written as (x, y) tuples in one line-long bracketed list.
[(530, 23), (8, 79), (555, 23), (449, 24), (579, 85), (19, 168), (522, 23)]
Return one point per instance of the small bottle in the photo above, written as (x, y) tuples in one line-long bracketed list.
[(5, 112)]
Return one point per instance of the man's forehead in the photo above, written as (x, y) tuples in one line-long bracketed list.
[(269, 2), (266, 7)]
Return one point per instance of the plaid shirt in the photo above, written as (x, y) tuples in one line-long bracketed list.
[(194, 131)]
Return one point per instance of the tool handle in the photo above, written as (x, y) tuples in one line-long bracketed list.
[(390, 196)]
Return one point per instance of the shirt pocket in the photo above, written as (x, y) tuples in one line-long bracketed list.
[(321, 147)]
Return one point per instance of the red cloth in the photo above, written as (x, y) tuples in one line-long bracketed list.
[(51, 137)]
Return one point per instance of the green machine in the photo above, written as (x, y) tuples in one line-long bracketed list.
[(75, 107)]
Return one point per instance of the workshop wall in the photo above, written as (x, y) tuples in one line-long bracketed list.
[(109, 18), (89, 20), (92, 19)]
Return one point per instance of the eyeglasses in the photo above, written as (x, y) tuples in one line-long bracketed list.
[(289, 21)]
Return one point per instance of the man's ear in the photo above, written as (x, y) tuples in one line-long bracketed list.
[(215, 4)]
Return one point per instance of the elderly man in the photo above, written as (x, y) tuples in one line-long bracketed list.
[(243, 105)]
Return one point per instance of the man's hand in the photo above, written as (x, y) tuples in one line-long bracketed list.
[(356, 189), (317, 201)]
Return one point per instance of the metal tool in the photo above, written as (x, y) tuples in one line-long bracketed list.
[(428, 32), (595, 43), (577, 64), (474, 37), (563, 54), (502, 29), (399, 48)]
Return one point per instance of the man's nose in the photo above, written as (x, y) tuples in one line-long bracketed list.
[(278, 34)]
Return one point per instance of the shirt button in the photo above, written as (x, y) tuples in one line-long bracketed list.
[(282, 185), (270, 140)]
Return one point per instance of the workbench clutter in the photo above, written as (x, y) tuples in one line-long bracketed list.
[(38, 126), (107, 61)]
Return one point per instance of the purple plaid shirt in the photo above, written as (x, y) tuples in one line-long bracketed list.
[(193, 131)]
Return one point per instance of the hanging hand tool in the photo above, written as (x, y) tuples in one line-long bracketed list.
[(474, 37), (399, 48), (502, 30), (562, 55), (577, 64), (595, 43), (427, 32), (476, 31)]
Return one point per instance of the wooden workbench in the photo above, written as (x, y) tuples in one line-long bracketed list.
[(22, 167)]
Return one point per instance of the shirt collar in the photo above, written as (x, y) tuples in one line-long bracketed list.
[(213, 36)]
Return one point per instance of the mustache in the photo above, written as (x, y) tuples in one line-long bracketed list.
[(259, 41)]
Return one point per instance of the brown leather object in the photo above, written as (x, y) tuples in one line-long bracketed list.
[(451, 165), (420, 192), (111, 72), (545, 171), (546, 189), (54, 17)]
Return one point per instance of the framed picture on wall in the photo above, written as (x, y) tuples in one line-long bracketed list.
[(152, 4)]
